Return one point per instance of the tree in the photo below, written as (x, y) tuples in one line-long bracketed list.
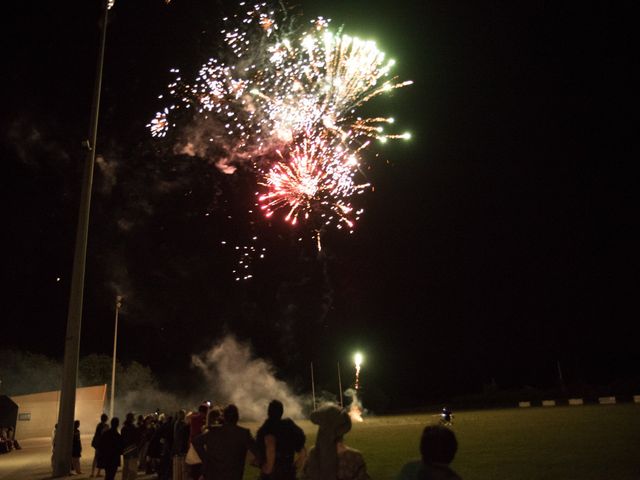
[(135, 377), (95, 369), (25, 372)]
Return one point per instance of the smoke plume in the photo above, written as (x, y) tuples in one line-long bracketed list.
[(248, 382)]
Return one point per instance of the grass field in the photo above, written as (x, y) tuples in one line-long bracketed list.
[(580, 442)]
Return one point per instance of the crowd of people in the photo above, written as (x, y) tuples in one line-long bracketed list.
[(8, 440), (208, 444)]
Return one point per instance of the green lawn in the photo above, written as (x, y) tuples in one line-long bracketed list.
[(579, 442)]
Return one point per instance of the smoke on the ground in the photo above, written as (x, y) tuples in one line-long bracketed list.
[(250, 383)]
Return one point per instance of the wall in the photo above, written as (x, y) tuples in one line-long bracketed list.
[(38, 412)]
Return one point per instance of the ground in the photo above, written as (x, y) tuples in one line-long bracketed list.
[(579, 442)]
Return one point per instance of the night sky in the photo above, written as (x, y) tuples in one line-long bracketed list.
[(496, 243)]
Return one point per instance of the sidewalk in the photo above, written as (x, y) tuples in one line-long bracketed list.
[(33, 462)]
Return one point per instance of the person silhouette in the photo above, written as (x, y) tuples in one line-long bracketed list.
[(438, 447)]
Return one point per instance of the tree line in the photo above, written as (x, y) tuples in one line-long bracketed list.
[(23, 372)]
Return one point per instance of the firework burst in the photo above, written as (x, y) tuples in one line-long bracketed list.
[(284, 103), (315, 179)]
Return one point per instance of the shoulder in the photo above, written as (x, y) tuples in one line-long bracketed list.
[(265, 428), (241, 433), (290, 423), (440, 471), (410, 470), (203, 436), (291, 426), (352, 457), (351, 452)]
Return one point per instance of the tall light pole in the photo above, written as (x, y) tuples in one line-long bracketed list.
[(113, 365), (340, 385), (64, 433), (313, 387)]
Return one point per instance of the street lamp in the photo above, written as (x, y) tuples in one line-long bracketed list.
[(113, 366), (66, 412)]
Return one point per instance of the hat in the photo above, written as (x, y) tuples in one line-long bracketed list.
[(333, 422)]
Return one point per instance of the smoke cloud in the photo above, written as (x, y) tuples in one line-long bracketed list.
[(248, 382), (34, 147), (148, 400), (108, 169), (356, 410)]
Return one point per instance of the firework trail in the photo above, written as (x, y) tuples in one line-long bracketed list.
[(284, 105), (355, 409), (358, 363)]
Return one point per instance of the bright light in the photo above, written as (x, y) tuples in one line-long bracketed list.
[(294, 105), (308, 42), (357, 358)]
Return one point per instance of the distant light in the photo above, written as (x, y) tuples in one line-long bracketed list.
[(57, 279)]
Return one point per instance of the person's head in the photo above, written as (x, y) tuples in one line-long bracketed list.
[(438, 444), (203, 408), (76, 424), (115, 422), (181, 415), (129, 418), (104, 418), (333, 421), (275, 410), (213, 418), (231, 414)]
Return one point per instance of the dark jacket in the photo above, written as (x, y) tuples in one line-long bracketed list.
[(180, 438), (223, 451), (76, 447), (130, 440), (109, 449), (162, 441), (100, 428), (289, 439), (417, 470)]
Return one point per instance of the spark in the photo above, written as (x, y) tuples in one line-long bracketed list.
[(285, 104), (316, 179)]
